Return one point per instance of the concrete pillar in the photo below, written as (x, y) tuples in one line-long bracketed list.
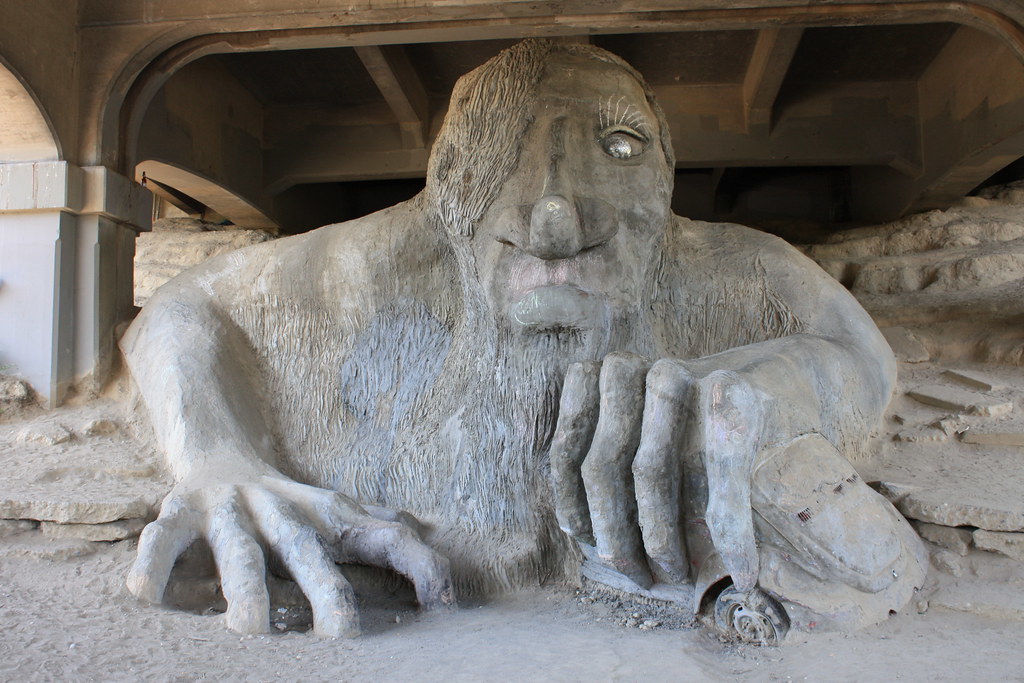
[(67, 239), (114, 210)]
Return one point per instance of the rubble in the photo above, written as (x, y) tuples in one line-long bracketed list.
[(950, 538), (975, 380), (905, 345), (176, 244), (961, 400), (927, 434), (1009, 544), (952, 424), (100, 427), (14, 390), (45, 433), (952, 279)]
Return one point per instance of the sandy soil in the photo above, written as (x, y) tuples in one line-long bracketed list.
[(74, 620)]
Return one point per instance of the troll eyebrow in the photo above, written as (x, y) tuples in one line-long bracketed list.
[(616, 111)]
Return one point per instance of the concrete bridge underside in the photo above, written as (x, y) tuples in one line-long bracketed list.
[(289, 115)]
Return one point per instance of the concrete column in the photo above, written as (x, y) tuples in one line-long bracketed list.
[(114, 210), (66, 247)]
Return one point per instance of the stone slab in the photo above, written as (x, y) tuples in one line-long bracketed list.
[(981, 438), (1009, 544), (80, 481), (950, 538), (982, 583), (905, 345), (961, 400), (33, 545), (79, 507), (938, 506), (975, 380), (111, 531), (951, 484)]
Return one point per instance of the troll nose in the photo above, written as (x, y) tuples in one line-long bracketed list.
[(555, 229)]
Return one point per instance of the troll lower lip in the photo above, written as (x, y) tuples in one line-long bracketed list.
[(560, 306)]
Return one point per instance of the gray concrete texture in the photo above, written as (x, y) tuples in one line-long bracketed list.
[(413, 360)]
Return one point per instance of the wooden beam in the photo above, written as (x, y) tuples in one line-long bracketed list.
[(769, 62), (581, 39), (391, 70), (336, 144), (955, 183), (972, 117), (850, 124)]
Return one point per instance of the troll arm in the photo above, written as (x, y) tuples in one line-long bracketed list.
[(193, 367)]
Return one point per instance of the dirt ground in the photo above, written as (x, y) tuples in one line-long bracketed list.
[(74, 620)]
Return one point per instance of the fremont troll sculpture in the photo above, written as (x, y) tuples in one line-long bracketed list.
[(531, 369)]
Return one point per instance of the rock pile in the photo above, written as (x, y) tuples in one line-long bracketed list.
[(73, 478), (179, 243), (972, 414), (951, 460), (947, 289), (944, 284), (15, 396)]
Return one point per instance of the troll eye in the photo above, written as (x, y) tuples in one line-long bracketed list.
[(621, 142)]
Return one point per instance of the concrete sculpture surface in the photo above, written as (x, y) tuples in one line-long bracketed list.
[(531, 367)]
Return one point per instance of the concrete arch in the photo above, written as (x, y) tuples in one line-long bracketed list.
[(27, 133), (192, 193)]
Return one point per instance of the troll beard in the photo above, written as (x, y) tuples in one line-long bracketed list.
[(494, 516), (449, 418)]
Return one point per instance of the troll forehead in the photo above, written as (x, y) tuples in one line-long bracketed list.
[(586, 75), (493, 106)]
